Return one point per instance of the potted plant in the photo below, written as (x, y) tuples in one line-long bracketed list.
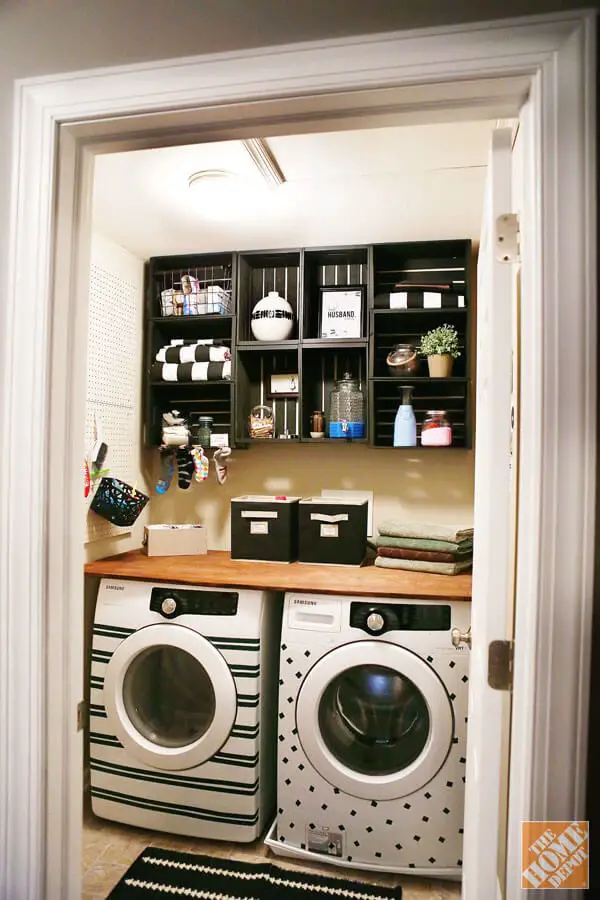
[(440, 346)]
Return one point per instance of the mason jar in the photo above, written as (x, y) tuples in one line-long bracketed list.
[(436, 430), (204, 431)]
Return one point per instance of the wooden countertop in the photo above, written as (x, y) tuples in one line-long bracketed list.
[(217, 569)]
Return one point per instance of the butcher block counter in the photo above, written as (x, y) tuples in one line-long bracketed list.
[(217, 569)]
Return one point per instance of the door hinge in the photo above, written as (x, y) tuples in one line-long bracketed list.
[(507, 240), (500, 665), (81, 714)]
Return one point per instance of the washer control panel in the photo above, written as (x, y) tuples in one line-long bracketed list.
[(172, 603), (379, 618)]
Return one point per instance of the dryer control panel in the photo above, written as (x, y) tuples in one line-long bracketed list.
[(172, 603), (377, 618)]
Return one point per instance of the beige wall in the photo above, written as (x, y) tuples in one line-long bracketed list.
[(429, 486)]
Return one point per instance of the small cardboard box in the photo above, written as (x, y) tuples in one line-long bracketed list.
[(174, 540), (264, 528)]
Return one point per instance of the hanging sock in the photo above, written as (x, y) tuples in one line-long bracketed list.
[(167, 467), (220, 461), (200, 463), (185, 468)]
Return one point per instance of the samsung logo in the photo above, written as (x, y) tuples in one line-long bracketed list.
[(306, 602), (115, 587)]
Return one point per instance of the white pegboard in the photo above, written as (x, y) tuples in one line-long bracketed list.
[(112, 376), (112, 338)]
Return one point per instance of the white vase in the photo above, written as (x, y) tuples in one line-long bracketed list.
[(272, 318)]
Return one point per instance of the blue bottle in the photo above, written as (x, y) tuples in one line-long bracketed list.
[(405, 423)]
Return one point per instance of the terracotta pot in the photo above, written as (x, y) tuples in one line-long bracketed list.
[(440, 365)]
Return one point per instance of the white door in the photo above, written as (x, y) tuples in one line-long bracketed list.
[(494, 521), (169, 696)]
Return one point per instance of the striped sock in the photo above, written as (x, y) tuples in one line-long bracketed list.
[(185, 468)]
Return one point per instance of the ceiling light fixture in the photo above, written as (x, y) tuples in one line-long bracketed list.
[(220, 194)]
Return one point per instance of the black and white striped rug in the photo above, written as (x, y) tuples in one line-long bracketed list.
[(167, 873)]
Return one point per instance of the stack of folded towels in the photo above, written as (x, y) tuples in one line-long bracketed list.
[(440, 549), (203, 360)]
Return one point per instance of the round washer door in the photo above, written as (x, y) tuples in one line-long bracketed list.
[(374, 720), (170, 696)]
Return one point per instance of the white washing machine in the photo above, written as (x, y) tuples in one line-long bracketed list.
[(183, 708), (372, 733)]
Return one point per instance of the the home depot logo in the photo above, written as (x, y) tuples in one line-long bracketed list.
[(554, 855)]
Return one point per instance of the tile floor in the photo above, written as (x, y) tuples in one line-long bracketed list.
[(109, 849)]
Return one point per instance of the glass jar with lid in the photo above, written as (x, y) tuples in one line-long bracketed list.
[(205, 424), (436, 430)]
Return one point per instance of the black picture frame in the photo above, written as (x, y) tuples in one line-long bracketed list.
[(361, 291)]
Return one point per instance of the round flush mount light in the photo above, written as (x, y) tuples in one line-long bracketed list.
[(219, 194)]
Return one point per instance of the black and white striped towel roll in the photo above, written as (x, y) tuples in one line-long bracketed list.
[(420, 299), (191, 371), (189, 353)]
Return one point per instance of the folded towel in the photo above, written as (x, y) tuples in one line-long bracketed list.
[(197, 371), (178, 342), (429, 555), (420, 565), (423, 544), (420, 299), (187, 353), (397, 528)]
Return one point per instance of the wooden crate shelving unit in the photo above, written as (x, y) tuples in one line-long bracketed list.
[(298, 275)]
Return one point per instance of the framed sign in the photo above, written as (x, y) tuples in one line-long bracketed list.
[(284, 385), (342, 311)]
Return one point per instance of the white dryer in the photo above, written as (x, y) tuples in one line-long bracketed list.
[(372, 733), (183, 694)]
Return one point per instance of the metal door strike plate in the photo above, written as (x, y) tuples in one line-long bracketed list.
[(506, 239)]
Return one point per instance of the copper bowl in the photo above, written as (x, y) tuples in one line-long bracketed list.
[(403, 360)]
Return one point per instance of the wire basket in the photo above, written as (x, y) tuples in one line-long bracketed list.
[(118, 502), (210, 301), (204, 291)]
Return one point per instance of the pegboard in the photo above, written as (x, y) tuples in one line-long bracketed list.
[(112, 339), (112, 381)]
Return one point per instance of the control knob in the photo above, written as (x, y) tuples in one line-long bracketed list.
[(168, 606), (375, 622)]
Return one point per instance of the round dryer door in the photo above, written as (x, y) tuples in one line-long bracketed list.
[(375, 720), (170, 696)]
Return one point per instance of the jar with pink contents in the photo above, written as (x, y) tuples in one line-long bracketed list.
[(436, 430)]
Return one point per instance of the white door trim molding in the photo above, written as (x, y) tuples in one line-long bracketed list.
[(41, 516)]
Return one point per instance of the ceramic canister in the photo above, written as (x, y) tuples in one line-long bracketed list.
[(272, 318)]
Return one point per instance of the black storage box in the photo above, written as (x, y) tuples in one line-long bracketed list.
[(264, 528), (332, 531)]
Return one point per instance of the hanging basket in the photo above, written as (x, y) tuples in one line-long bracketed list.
[(118, 502)]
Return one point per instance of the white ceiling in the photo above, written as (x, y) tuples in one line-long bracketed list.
[(421, 182)]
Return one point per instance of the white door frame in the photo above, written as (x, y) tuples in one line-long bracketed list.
[(41, 521)]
